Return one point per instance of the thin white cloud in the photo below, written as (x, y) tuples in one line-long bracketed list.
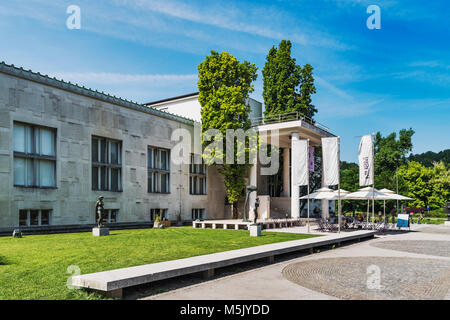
[(257, 21), (327, 85)]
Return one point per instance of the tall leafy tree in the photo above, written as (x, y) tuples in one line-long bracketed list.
[(307, 89), (224, 84), (390, 154), (287, 86)]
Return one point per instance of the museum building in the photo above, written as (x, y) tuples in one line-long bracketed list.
[(63, 145)]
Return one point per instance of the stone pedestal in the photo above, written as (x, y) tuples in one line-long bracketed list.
[(99, 232), (255, 230), (447, 223)]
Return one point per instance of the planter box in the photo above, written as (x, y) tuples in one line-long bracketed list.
[(166, 224)]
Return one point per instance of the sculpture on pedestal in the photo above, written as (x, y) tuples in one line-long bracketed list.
[(99, 208), (256, 210)]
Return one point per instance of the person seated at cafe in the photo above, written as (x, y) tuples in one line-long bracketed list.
[(344, 220)]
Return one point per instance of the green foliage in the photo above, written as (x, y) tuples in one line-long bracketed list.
[(428, 186), (34, 267), (287, 86), (428, 158), (224, 84), (390, 153), (437, 213), (307, 89)]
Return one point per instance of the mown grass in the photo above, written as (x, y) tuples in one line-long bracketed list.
[(35, 267)]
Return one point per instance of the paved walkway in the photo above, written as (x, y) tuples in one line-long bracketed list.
[(407, 271)]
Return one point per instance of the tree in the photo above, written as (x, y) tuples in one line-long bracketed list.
[(428, 158), (415, 178), (390, 154), (287, 86), (441, 185), (224, 84), (307, 88)]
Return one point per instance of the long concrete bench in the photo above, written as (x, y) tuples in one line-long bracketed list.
[(112, 282)]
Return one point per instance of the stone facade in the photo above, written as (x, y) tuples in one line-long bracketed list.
[(77, 117)]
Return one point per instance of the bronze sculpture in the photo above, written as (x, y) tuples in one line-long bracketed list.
[(99, 211), (256, 210)]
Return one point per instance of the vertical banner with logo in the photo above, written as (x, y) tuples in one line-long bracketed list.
[(300, 161), (311, 159), (365, 158), (330, 156)]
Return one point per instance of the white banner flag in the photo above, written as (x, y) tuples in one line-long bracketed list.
[(365, 158), (330, 156), (311, 159), (300, 162)]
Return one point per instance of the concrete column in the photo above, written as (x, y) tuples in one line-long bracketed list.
[(286, 175), (253, 195), (295, 194)]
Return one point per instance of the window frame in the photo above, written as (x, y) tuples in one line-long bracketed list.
[(200, 212), (156, 171), (155, 211), (34, 156), (107, 215), (108, 165), (197, 173), (28, 213)]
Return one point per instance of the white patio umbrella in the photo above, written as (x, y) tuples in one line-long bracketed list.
[(394, 196), (326, 194), (367, 193), (321, 194)]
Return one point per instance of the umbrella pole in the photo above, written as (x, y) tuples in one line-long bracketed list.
[(384, 211), (373, 206), (367, 215)]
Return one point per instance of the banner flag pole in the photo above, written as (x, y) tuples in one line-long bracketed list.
[(308, 184), (373, 181), (339, 184)]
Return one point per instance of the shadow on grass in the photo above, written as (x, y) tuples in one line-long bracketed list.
[(3, 261)]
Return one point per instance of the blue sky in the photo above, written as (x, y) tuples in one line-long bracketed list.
[(367, 80)]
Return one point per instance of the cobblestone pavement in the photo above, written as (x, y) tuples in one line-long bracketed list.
[(432, 248), (340, 273), (349, 278)]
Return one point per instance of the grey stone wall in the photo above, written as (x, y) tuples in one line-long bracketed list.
[(76, 118)]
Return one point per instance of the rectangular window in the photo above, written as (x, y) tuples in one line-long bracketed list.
[(34, 217), (197, 177), (198, 214), (106, 164), (34, 156), (23, 218), (110, 215), (45, 217), (158, 165), (162, 213)]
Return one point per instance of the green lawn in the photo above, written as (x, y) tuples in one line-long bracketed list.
[(34, 267), (433, 220)]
